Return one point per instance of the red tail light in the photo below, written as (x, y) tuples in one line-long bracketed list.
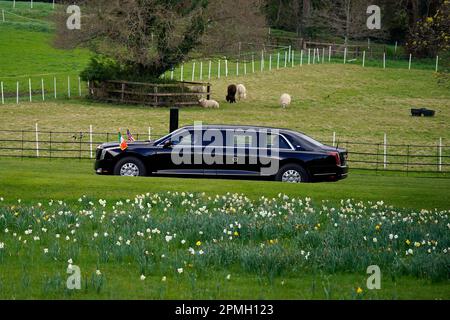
[(336, 156)]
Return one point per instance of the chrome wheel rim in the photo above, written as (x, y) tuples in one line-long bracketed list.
[(129, 170), (292, 176)]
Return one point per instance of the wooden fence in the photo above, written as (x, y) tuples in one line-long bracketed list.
[(171, 94)]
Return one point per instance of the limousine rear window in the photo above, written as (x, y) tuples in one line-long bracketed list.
[(309, 139)]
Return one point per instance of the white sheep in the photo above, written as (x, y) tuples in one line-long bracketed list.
[(208, 103), (200, 90), (285, 100), (241, 92)]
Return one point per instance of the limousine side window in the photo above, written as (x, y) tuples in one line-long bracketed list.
[(243, 141), (274, 140)]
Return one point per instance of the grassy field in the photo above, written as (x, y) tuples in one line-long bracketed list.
[(34, 180), (29, 53)]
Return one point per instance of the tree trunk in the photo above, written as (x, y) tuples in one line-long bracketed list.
[(348, 6), (280, 7)]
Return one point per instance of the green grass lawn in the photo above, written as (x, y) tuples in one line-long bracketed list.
[(34, 180)]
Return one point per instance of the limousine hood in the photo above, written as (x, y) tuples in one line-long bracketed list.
[(108, 145)]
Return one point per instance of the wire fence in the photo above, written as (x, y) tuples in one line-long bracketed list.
[(82, 145)]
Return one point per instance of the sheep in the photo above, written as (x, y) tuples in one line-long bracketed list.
[(285, 100), (208, 103), (200, 90), (231, 96), (241, 92)]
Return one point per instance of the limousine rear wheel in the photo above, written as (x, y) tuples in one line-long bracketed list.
[(292, 173), (129, 167)]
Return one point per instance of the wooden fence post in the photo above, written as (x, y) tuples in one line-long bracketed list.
[(37, 140), (226, 67), (262, 61), (43, 89), (364, 59), (385, 152), (218, 70), (278, 60), (182, 71), (68, 86), (440, 155), (3, 95), (29, 88), (17, 92), (90, 140), (208, 88), (54, 86), (410, 60), (201, 70), (209, 69), (437, 63)]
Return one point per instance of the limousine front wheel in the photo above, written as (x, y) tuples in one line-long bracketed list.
[(129, 167), (292, 173)]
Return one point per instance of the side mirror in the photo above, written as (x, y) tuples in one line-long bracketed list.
[(168, 144)]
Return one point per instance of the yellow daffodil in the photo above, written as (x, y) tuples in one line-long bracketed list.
[(198, 243), (408, 242), (359, 290)]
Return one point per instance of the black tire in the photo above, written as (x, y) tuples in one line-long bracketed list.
[(296, 172), (135, 167)]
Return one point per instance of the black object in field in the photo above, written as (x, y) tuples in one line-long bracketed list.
[(423, 111)]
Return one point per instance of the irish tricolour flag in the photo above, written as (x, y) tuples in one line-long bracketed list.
[(123, 142)]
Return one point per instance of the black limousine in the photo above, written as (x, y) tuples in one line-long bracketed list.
[(227, 151)]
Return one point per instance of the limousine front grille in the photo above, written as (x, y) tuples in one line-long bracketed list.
[(98, 154)]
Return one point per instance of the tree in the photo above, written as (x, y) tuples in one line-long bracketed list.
[(431, 35), (147, 37)]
